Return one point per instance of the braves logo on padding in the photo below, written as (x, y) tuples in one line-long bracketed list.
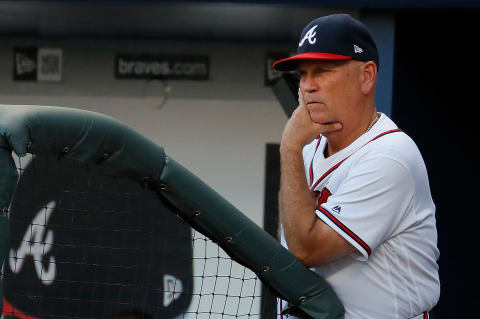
[(37, 244), (85, 244)]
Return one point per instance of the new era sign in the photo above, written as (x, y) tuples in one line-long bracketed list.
[(37, 64), (271, 75), (25, 64)]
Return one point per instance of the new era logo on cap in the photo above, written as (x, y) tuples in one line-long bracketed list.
[(357, 49)]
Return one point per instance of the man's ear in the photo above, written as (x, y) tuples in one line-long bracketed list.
[(368, 77)]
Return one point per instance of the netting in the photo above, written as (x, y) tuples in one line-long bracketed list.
[(87, 244)]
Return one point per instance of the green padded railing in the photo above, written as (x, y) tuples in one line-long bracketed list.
[(91, 137)]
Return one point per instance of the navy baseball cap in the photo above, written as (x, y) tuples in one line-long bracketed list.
[(332, 37)]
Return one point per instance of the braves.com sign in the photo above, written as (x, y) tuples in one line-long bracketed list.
[(37, 64), (164, 67)]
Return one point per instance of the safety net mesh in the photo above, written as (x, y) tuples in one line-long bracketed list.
[(88, 244)]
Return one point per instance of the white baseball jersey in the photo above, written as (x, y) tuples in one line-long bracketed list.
[(375, 194)]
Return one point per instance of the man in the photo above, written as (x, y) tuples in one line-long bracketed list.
[(355, 203)]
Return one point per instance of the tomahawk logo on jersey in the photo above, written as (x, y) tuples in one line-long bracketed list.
[(321, 196)]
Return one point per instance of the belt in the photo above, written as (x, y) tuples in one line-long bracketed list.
[(425, 315)]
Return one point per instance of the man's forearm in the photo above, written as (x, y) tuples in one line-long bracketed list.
[(297, 205)]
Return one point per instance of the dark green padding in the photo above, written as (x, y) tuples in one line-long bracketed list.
[(92, 137), (8, 182)]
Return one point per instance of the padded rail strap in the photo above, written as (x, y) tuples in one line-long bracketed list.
[(80, 135), (92, 137)]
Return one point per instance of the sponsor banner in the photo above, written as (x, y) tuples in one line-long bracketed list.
[(85, 244), (37, 64), (165, 67), (272, 75), (49, 65), (25, 64)]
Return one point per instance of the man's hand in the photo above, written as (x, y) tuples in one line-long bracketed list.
[(300, 130)]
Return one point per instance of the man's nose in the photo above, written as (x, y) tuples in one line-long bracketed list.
[(308, 85)]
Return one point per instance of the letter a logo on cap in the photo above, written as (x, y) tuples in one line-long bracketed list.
[(310, 35)]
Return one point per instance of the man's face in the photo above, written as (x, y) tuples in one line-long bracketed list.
[(330, 89)]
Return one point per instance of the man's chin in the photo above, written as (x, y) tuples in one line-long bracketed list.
[(330, 132), (323, 121)]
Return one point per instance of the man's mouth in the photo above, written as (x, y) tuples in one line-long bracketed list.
[(313, 103)]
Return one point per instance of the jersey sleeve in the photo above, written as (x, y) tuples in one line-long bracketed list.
[(370, 203)]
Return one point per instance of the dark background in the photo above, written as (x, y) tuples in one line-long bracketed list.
[(435, 100)]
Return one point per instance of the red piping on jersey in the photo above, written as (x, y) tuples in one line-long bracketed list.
[(346, 230), (334, 167), (311, 163), (426, 315), (11, 311), (382, 134), (328, 172)]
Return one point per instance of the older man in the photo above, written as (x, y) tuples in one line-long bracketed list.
[(355, 201)]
